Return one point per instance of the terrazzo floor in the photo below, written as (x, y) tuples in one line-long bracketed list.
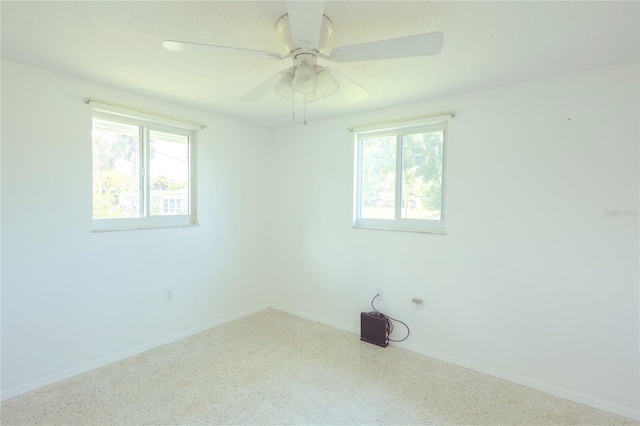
[(275, 368)]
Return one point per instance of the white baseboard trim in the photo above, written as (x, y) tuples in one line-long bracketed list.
[(66, 374), (321, 320), (525, 381), (521, 380), (501, 374)]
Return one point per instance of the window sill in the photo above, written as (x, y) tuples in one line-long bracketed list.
[(418, 231), (146, 228)]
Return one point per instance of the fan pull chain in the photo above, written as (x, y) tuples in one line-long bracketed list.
[(293, 91), (304, 123)]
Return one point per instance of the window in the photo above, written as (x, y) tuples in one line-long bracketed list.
[(399, 178), (143, 174)]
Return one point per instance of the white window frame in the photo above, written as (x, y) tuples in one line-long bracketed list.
[(147, 124), (398, 223)]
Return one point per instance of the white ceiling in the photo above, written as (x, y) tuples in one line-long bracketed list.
[(486, 44)]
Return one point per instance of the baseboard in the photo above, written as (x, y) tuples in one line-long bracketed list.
[(321, 320), (521, 380), (525, 381), (501, 374), (66, 374)]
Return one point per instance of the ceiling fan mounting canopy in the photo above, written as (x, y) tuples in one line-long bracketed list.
[(284, 29)]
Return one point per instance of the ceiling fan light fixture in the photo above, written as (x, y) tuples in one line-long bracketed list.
[(284, 87), (305, 80), (307, 99), (327, 84)]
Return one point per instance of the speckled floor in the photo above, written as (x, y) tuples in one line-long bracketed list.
[(274, 368)]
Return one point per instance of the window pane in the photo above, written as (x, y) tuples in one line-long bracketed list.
[(422, 175), (116, 170), (169, 173), (379, 177)]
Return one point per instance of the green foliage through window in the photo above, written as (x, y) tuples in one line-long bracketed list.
[(400, 177), (134, 166)]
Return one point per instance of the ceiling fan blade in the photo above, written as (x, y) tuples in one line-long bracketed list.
[(403, 47), (351, 90), (263, 88), (183, 46), (305, 19)]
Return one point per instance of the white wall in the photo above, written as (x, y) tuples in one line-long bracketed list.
[(532, 282), (73, 299)]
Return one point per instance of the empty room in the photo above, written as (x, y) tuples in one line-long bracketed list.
[(338, 212)]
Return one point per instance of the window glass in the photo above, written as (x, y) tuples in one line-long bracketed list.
[(422, 175), (379, 177), (143, 174), (169, 173), (116, 170), (399, 178)]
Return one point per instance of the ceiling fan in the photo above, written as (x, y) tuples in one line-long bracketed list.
[(304, 31)]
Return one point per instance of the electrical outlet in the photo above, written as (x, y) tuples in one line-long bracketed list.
[(168, 296), (381, 294)]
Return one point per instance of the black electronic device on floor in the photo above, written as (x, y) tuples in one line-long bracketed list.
[(374, 328)]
